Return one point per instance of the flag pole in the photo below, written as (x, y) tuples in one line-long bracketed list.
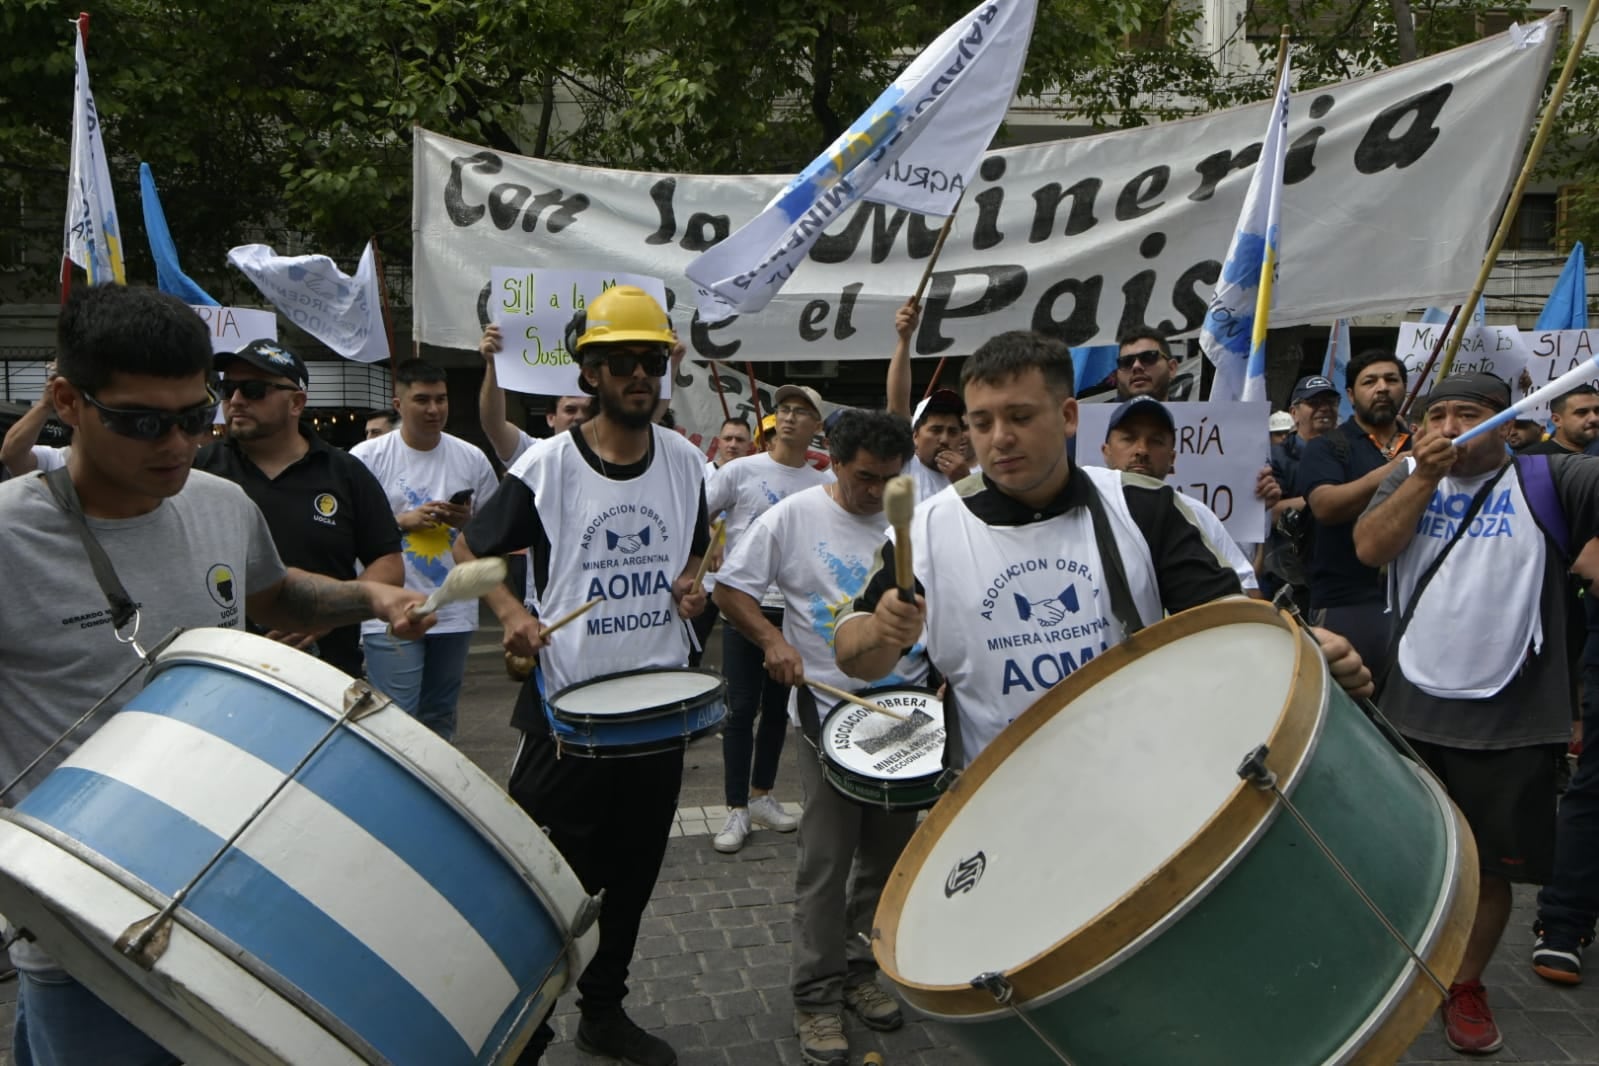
[(1268, 261), (1421, 378), (716, 379), (1508, 218), (755, 398), (383, 301), (927, 275)]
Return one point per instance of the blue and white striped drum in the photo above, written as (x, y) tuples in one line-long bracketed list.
[(389, 905), (637, 712)]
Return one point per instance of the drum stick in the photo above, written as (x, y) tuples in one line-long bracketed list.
[(717, 529), (544, 634), (465, 581), (850, 697), (899, 503)]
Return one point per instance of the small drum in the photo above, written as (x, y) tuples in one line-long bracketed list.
[(389, 904), (1118, 877), (638, 712), (883, 762)]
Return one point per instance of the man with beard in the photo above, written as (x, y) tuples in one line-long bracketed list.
[(630, 495), (433, 481), (1576, 418), (326, 511), (1144, 364), (1524, 433), (1338, 474)]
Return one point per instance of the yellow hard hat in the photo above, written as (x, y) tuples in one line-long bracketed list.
[(769, 423), (620, 315)]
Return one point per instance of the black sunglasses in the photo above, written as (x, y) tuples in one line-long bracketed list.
[(1146, 358), (621, 363), (153, 423), (253, 388)]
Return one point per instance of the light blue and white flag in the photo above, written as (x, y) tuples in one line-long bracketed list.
[(91, 236), (1568, 301), (169, 276), (1233, 337), (915, 148), (1338, 354), (342, 312)]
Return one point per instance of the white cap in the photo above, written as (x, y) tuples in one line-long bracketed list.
[(1281, 422)]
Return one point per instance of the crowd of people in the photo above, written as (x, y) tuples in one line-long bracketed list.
[(1440, 577)]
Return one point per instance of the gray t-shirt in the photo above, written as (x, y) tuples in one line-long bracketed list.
[(189, 563), (1536, 706)]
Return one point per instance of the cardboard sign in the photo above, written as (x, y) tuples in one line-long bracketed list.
[(1220, 450)]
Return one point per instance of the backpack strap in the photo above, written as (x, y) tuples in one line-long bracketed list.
[(1538, 486)]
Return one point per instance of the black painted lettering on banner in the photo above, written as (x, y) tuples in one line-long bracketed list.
[(1003, 285), (1382, 148)]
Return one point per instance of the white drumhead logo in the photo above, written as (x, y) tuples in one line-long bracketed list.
[(965, 875)]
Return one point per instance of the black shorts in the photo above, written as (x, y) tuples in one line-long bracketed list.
[(1508, 798)]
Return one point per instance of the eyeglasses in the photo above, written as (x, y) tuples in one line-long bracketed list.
[(253, 388), (153, 423), (1145, 358), (622, 362), (794, 410)]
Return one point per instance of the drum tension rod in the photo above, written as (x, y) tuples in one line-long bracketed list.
[(1255, 771), (588, 912), (146, 940), (996, 985)]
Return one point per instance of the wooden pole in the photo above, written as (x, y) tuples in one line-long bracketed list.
[(1421, 378), (1282, 59), (927, 275), (716, 379), (1508, 218), (755, 398), (383, 299)]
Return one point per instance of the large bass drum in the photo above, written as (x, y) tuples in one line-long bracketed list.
[(1103, 885)]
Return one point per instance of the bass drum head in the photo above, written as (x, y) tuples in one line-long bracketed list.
[(1100, 795)]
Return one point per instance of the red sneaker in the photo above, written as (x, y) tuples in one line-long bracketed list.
[(1468, 1023)]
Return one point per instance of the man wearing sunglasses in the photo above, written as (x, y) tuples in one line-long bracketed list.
[(326, 511), (1145, 365), (189, 548)]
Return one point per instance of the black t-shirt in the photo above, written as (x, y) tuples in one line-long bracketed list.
[(1337, 576), (1547, 447), (326, 512)]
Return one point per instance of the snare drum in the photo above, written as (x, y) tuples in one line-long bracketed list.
[(881, 761), (391, 904), (638, 712), (1101, 886)]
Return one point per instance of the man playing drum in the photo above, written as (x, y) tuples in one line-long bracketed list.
[(190, 549), (1480, 665), (612, 509), (1040, 566), (816, 548)]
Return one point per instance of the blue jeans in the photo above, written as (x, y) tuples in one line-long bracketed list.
[(749, 754), (1569, 904), (61, 1023), (422, 676)]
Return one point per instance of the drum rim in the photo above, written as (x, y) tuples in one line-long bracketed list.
[(824, 750), (717, 693), (1231, 829), (676, 742)]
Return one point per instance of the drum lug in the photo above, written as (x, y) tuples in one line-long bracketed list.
[(587, 915), (994, 983), (361, 699), (997, 985), (154, 940), (1254, 769)]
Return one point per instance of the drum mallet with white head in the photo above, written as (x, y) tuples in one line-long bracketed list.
[(899, 503), (465, 581)]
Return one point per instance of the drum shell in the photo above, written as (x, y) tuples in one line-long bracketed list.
[(1274, 958), (643, 731), (390, 874)]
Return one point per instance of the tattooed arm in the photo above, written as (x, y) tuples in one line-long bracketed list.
[(303, 601)]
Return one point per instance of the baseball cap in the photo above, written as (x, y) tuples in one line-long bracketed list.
[(939, 402), (268, 357), (1280, 422), (832, 419), (1314, 385), (1475, 386), (799, 392), (1141, 405)]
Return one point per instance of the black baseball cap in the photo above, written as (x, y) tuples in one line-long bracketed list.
[(269, 357), (941, 402), (1475, 386), (1141, 405), (1314, 385)]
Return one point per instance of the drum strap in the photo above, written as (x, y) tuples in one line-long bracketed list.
[(1110, 559), (810, 722), (59, 481)]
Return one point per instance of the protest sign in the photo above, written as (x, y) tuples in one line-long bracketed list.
[(1081, 239), (1498, 350), (1220, 450), (532, 309), (231, 328)]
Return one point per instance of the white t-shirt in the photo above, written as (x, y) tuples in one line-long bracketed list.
[(929, 481), (524, 441), (49, 458), (1220, 541), (747, 488), (818, 556), (411, 478)]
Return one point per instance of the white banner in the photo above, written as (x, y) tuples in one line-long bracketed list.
[(1220, 450), (343, 312), (697, 409), (1080, 239), (532, 309)]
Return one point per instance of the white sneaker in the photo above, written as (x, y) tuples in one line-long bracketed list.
[(734, 830), (764, 810)]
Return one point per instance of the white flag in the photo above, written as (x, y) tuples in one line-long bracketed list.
[(916, 147), (91, 236), (342, 312)]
